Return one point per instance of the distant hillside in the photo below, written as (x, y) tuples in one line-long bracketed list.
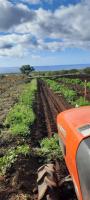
[(44, 68)]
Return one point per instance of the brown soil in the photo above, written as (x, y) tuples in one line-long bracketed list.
[(10, 88), (20, 180)]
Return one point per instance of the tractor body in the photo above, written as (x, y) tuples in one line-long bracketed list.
[(74, 136)]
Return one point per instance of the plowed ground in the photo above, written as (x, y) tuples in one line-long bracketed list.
[(20, 183)]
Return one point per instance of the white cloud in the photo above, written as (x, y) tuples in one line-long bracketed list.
[(66, 22), (32, 1), (14, 15), (15, 45), (36, 1), (70, 24)]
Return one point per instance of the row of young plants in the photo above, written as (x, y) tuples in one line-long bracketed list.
[(49, 149), (11, 155), (72, 81), (76, 81), (19, 121), (21, 116), (69, 94)]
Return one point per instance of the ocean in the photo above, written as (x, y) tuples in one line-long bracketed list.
[(4, 70)]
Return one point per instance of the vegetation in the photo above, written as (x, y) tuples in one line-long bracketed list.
[(69, 94), (81, 102), (21, 116), (50, 148), (72, 81), (26, 69), (19, 120), (87, 70), (11, 155), (88, 84), (62, 72)]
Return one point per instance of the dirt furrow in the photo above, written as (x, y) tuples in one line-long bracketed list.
[(52, 104), (20, 179)]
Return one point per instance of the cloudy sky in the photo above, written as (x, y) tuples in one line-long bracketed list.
[(44, 32)]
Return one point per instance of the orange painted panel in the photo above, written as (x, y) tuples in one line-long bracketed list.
[(73, 127)]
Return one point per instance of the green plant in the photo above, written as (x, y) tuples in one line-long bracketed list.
[(21, 116), (23, 149), (81, 102), (69, 94), (11, 155), (88, 84), (50, 148), (71, 81), (28, 95)]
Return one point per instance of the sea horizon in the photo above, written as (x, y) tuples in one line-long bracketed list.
[(5, 70)]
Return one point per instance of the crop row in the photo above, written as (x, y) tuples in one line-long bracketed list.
[(18, 123), (76, 81), (21, 116), (69, 94), (18, 133)]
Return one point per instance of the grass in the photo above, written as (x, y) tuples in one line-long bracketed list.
[(21, 116)]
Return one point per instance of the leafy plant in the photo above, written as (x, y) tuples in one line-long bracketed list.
[(50, 148), (10, 157), (21, 116), (28, 95), (88, 84), (81, 102), (69, 94)]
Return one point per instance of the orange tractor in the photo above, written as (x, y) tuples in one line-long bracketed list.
[(74, 136)]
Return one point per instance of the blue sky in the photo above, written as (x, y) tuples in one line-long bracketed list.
[(44, 32)]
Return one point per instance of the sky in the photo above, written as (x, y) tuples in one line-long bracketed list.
[(44, 32)]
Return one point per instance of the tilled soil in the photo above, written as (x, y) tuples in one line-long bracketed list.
[(52, 105), (20, 182), (8, 99)]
